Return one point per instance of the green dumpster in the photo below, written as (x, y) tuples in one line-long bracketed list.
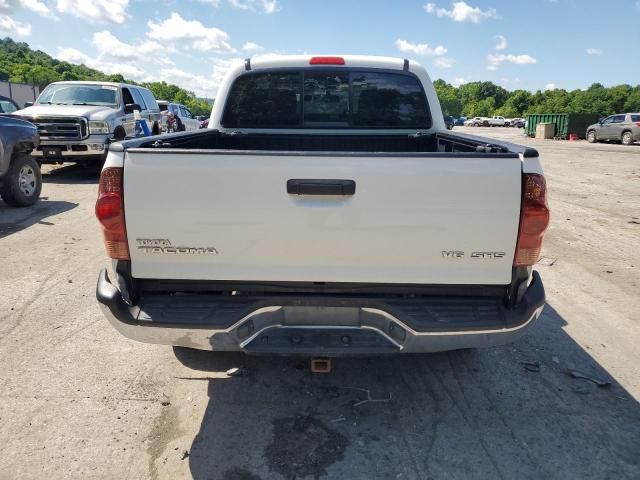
[(566, 123)]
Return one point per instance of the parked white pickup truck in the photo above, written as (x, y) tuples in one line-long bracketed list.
[(325, 211), (77, 120), (497, 121)]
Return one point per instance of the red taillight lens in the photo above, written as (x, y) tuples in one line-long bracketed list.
[(110, 213), (326, 61), (534, 220)]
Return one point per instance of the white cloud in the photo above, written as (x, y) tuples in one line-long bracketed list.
[(444, 62), (495, 60), (252, 47), (593, 51), (550, 86), (126, 70), (420, 48), (72, 55), (13, 28), (36, 6), (191, 33), (115, 56), (199, 84), (267, 6), (462, 12), (111, 11), (459, 81), (148, 51), (502, 43), (270, 6), (215, 3)]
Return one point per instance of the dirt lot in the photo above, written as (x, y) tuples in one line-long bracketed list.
[(77, 400)]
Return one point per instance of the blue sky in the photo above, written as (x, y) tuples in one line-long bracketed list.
[(534, 45)]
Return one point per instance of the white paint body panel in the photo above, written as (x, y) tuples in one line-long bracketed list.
[(406, 211)]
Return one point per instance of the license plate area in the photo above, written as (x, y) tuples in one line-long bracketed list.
[(52, 152)]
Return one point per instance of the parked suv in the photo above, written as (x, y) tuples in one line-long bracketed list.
[(77, 120), (623, 127), (184, 119)]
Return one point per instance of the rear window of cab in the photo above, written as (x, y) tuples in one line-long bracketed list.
[(326, 99)]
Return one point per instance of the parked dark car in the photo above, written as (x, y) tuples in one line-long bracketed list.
[(623, 127), (449, 122), (460, 121), (7, 105), (20, 178)]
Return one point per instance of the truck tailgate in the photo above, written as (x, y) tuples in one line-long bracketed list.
[(413, 219)]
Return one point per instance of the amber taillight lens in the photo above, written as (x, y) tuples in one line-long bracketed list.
[(110, 213), (534, 219)]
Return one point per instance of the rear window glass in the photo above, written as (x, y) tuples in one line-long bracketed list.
[(635, 118), (267, 100), (326, 99), (388, 100)]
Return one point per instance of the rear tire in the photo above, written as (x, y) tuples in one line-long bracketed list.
[(627, 138), (591, 136), (23, 182)]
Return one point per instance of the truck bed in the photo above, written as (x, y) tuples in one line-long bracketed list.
[(313, 142)]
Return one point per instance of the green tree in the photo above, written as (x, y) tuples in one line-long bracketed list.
[(632, 104), (517, 104), (42, 76), (449, 99)]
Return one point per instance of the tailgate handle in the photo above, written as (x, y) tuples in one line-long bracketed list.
[(298, 186)]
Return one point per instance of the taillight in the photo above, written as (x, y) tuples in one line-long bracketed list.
[(534, 220), (110, 213), (326, 61)]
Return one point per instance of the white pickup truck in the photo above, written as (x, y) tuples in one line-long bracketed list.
[(326, 211), (497, 121)]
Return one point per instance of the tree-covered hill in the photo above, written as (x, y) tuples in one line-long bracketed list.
[(481, 99), (21, 64)]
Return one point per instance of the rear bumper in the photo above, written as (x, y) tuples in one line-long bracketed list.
[(327, 326)]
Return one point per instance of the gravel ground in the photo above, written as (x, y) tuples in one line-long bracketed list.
[(77, 400)]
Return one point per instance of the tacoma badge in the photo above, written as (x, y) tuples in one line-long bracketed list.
[(162, 245)]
